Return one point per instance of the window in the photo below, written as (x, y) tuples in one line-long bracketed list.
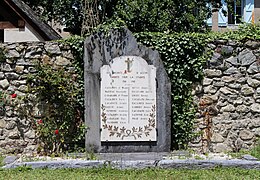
[(235, 12)]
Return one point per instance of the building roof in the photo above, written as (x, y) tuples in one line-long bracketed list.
[(29, 16)]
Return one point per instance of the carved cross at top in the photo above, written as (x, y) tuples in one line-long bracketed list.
[(128, 63)]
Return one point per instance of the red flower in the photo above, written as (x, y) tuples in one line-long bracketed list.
[(56, 132), (14, 95), (40, 121)]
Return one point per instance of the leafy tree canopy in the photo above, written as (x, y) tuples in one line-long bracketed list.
[(81, 16)]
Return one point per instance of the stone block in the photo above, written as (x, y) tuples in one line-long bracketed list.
[(246, 57), (100, 50), (221, 147), (228, 79), (11, 76), (227, 50), (207, 81), (9, 159), (246, 135), (228, 108), (2, 123), (12, 54), (257, 76), (247, 91), (11, 125), (255, 108), (210, 89), (242, 109), (231, 70), (4, 84), (52, 48), (14, 135), (212, 73), (249, 157), (19, 69), (61, 61), (217, 138), (253, 68), (248, 101), (253, 82)]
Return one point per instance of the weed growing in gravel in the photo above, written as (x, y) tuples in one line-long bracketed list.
[(1, 160)]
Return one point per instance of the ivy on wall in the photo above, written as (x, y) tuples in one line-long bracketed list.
[(76, 44), (2, 54), (183, 56)]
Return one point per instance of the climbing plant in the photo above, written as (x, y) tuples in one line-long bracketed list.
[(59, 96), (76, 44), (61, 124), (184, 58)]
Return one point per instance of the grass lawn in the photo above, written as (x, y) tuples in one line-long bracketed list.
[(106, 173)]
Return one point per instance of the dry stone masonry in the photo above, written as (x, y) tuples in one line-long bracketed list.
[(228, 99), (17, 134)]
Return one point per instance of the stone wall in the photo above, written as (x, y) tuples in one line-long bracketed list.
[(228, 99), (17, 134)]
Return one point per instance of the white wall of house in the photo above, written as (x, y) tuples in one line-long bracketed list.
[(248, 11), (21, 35)]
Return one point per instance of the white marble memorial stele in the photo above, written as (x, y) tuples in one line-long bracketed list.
[(128, 100)]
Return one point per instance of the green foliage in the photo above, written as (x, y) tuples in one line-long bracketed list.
[(3, 101), (255, 151), (2, 55), (1, 160), (163, 15), (184, 57), (138, 15), (245, 32), (7, 100), (61, 125), (242, 34), (67, 12), (76, 44)]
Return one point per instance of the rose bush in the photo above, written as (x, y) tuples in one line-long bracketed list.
[(61, 124)]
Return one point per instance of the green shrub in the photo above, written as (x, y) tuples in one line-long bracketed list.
[(61, 125)]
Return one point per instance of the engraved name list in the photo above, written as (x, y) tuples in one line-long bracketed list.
[(128, 100)]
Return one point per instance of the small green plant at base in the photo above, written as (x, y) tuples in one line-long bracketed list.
[(238, 154), (91, 156), (197, 157), (255, 151), (1, 160), (23, 168)]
